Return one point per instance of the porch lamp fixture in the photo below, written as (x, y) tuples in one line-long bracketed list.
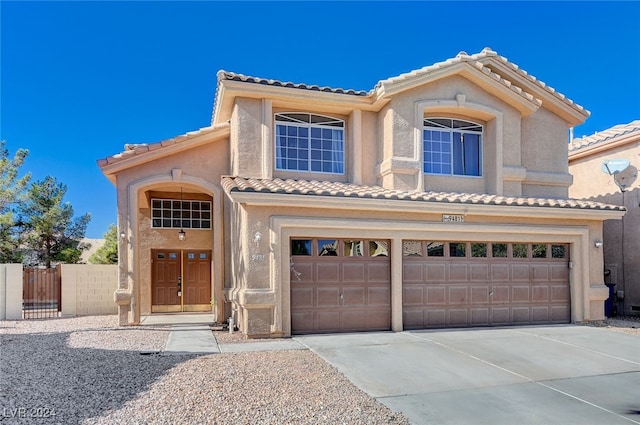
[(597, 243), (181, 234)]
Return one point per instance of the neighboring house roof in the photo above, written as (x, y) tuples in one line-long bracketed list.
[(606, 138), (348, 190)]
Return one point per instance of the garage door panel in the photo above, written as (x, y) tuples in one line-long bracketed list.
[(479, 272), (458, 317), (353, 272), (520, 294), (435, 272), (353, 297), (305, 270), (327, 297), (353, 319), (327, 321), (302, 297), (501, 294), (500, 315), (302, 320), (327, 272), (540, 314), (519, 272), (520, 314), (412, 318), (540, 293), (379, 271), (458, 295), (499, 272), (412, 272), (560, 293), (479, 295), (479, 317), (559, 272), (379, 296), (560, 314), (539, 272), (436, 295), (436, 318), (378, 319), (459, 272), (412, 295)]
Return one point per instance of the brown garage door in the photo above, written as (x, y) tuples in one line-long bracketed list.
[(457, 284), (340, 285)]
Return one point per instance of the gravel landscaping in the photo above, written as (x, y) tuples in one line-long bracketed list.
[(87, 370)]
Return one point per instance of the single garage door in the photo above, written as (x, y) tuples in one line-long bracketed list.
[(458, 284), (340, 285)]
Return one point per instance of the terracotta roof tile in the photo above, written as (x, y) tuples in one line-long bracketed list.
[(603, 137), (336, 189), (131, 149), (488, 52), (232, 76)]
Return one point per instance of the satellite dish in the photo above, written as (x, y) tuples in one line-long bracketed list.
[(614, 166)]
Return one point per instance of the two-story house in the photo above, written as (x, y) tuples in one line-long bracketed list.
[(437, 199)]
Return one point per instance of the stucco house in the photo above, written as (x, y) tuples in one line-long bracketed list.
[(605, 166), (439, 198)]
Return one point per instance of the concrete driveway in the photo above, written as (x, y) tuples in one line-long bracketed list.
[(525, 375)]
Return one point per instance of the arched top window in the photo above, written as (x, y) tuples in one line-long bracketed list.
[(309, 143), (452, 147)]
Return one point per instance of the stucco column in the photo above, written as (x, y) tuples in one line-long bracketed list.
[(396, 285)]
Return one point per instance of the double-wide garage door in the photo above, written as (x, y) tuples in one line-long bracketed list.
[(340, 285), (457, 284)]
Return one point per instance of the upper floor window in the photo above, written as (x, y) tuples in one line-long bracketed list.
[(309, 143), (452, 147), (175, 214)]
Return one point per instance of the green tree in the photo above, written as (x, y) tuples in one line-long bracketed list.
[(11, 190), (107, 253), (50, 232)]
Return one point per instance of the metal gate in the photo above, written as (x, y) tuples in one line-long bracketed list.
[(41, 293)]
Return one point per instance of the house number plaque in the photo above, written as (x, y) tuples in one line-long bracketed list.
[(452, 218)]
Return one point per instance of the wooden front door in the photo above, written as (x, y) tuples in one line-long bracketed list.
[(197, 280), (180, 280)]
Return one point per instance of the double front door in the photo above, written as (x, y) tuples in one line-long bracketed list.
[(180, 280)]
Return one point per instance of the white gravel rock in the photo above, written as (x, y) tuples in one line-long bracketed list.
[(87, 370)]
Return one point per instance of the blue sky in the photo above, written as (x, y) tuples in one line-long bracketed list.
[(80, 79)]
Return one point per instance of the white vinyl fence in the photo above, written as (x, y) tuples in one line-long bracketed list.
[(87, 289)]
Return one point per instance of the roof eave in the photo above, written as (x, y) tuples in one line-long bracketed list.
[(394, 205), (571, 112), (112, 165), (525, 106), (229, 90)]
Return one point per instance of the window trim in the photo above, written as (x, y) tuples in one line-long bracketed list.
[(324, 122), (468, 129)]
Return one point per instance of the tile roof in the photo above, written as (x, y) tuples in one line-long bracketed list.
[(487, 52), (348, 190), (603, 137), (476, 60), (131, 149), (232, 76), (462, 57)]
